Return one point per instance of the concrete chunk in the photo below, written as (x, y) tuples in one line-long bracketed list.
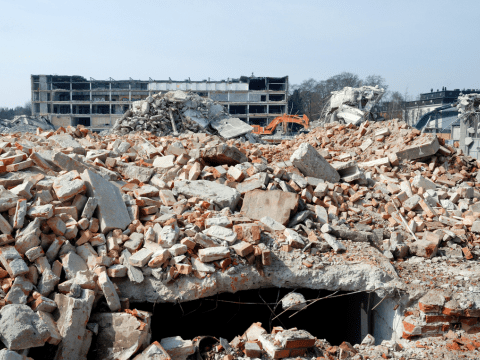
[(21, 328), (109, 291), (213, 253), (215, 193), (271, 225), (221, 233), (154, 351), (276, 204), (72, 316), (141, 257), (224, 154), (311, 163), (425, 145), (332, 241), (121, 335), (112, 211), (177, 348)]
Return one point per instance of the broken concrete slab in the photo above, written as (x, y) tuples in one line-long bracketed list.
[(215, 193), (231, 127), (177, 348), (311, 163), (21, 328), (277, 204), (213, 253), (121, 335), (112, 211), (426, 145), (71, 317), (224, 154)]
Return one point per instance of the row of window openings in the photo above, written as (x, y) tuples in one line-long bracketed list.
[(96, 98), (97, 109), (105, 109), (142, 86)]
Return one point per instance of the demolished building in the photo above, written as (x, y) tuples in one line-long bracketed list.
[(352, 105), (98, 104), (95, 228)]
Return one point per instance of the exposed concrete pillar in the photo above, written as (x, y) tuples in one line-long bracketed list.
[(463, 135)]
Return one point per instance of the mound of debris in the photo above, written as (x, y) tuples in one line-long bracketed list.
[(24, 123), (93, 224), (353, 105), (178, 112)]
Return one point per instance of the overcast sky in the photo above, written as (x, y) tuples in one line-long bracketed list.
[(414, 45)]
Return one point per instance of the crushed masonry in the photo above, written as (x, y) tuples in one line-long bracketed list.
[(91, 225)]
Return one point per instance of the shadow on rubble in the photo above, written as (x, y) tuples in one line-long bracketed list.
[(228, 315)]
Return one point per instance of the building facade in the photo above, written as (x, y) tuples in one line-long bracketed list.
[(429, 102), (73, 100)]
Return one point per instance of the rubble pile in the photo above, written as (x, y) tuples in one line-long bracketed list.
[(353, 105), (24, 123), (178, 112), (91, 225), (468, 104)]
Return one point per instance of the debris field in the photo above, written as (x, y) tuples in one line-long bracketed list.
[(93, 224)]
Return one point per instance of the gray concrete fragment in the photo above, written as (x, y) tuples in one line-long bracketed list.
[(121, 335), (221, 233), (271, 224), (21, 328), (311, 163), (135, 275), (218, 194), (72, 316), (213, 253), (109, 291), (332, 241), (177, 348), (112, 211), (89, 208), (231, 127), (294, 301)]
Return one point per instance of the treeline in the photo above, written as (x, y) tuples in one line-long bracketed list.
[(312, 95), (10, 113)]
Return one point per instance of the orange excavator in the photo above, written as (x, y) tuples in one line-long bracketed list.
[(284, 120)]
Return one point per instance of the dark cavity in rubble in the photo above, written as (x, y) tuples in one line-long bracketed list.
[(334, 319)]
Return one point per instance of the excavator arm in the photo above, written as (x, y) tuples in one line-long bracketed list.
[(283, 119)]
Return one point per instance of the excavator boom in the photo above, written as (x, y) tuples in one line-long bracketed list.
[(283, 119)]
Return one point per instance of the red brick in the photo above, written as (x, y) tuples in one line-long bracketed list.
[(297, 352), (438, 318), (303, 343), (468, 320)]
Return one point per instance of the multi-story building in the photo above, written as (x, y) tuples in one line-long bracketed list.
[(430, 101), (73, 100)]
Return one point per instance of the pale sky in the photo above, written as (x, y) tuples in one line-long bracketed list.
[(414, 45)]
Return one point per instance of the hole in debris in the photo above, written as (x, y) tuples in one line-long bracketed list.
[(228, 315)]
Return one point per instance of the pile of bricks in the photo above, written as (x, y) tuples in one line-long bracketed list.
[(80, 213), (439, 312)]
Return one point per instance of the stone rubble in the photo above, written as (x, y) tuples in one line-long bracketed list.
[(24, 124), (177, 112), (90, 223), (353, 105)]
